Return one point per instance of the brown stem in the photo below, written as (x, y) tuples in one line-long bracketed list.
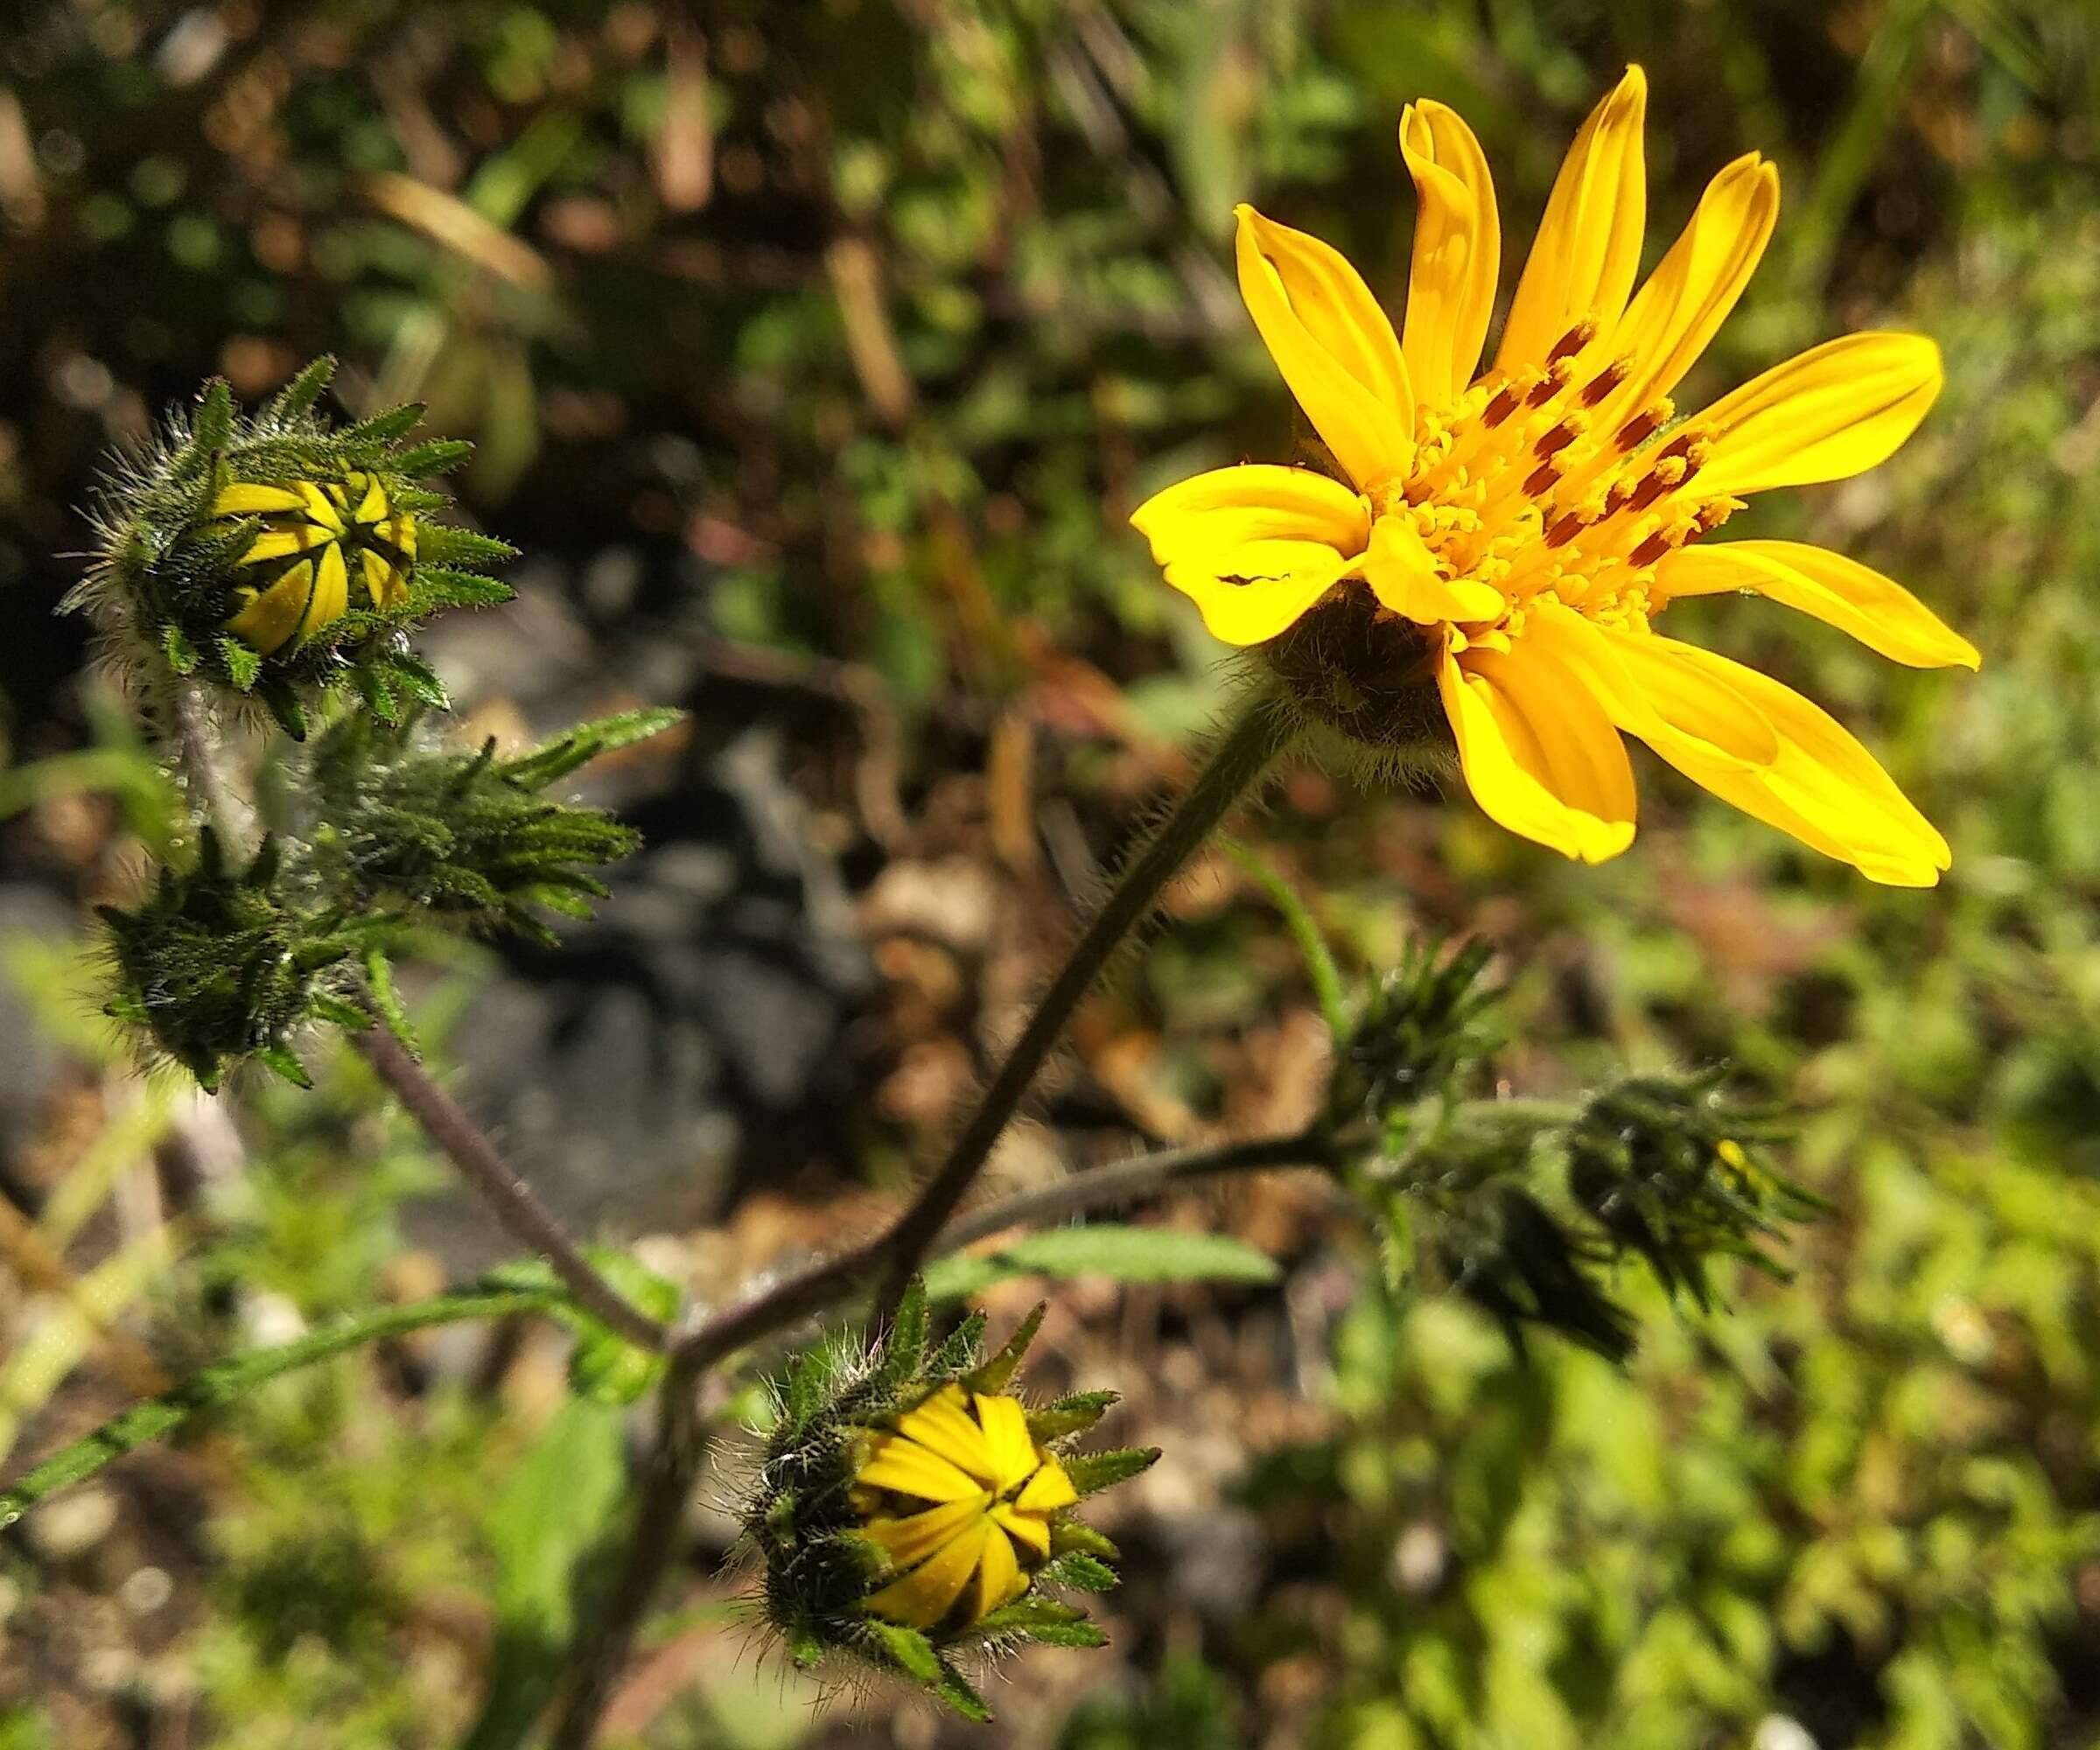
[(523, 1214), (1249, 748)]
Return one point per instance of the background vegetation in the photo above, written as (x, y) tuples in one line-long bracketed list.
[(816, 353)]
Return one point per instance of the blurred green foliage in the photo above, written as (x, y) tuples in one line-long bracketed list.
[(876, 316)]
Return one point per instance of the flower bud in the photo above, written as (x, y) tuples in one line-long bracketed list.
[(912, 1510), (273, 554)]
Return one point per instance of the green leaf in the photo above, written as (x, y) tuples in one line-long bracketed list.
[(382, 429), (903, 1343), (606, 1367), (1080, 1571), (442, 586), (1071, 1414), (1093, 1472), (243, 663), (1312, 945), (955, 1689), (995, 1374), (554, 1513), (227, 1380), (440, 456), (213, 423), (907, 1649), (284, 1064), (1029, 1613), (300, 395), (446, 544), (379, 981), (1069, 1635), (1120, 1252), (578, 746), (180, 652)]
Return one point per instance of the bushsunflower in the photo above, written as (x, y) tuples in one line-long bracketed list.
[(312, 533), (959, 1497), (1494, 550)]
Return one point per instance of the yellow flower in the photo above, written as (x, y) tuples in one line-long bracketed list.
[(959, 1497), (313, 533), (1503, 543)]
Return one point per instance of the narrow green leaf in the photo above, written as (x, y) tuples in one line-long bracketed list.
[(213, 422), (1312, 945), (439, 456), (606, 1367), (444, 586), (1080, 1571), (300, 395), (955, 1689), (382, 429), (1069, 1635), (907, 1649), (227, 1380), (578, 746), (1071, 1414), (1093, 1472), (995, 1374), (1120, 1252)]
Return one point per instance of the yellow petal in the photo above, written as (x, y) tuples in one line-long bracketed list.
[(1332, 344), (1254, 547), (1558, 731), (275, 616), (383, 581), (331, 589), (279, 543), (247, 500), (402, 532), (916, 1536), (1505, 770), (1588, 247), (1836, 410), (1403, 575), (1249, 594), (322, 507), (1693, 288), (1005, 1425), (923, 1597), (999, 1576), (1877, 611), (1821, 786), (1047, 1490), (1693, 692), (1255, 501), (372, 507), (906, 1467), (943, 1427), (1032, 1529), (1458, 252)]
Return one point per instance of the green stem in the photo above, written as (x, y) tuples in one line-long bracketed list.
[(229, 1379), (1312, 945), (1247, 750)]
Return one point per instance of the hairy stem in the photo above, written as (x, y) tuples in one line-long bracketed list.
[(194, 740), (1247, 750), (1131, 1181), (523, 1214)]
